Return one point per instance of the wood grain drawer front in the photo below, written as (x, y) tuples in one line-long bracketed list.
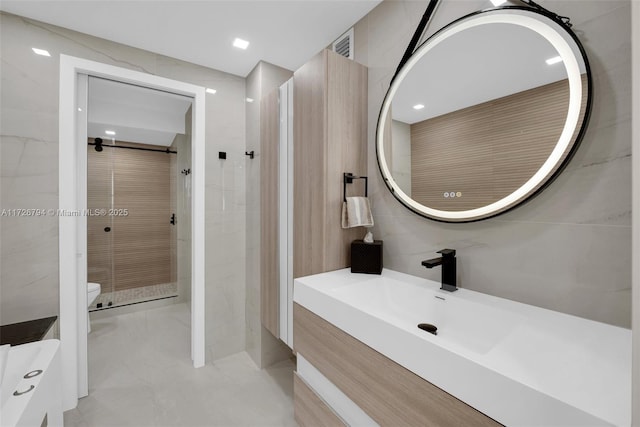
[(386, 391), (309, 409)]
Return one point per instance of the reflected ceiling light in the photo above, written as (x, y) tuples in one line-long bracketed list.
[(79, 109), (498, 2), (109, 132), (239, 43), (40, 51), (211, 91), (553, 60), (418, 107), (249, 100)]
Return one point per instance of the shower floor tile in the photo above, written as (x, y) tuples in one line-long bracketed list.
[(134, 295), (140, 374)]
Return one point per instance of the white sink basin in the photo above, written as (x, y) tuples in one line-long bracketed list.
[(460, 322), (519, 364)]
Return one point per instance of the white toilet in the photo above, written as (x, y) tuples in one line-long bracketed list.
[(93, 290)]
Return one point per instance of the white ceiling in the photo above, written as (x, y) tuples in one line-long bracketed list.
[(134, 113), (285, 33)]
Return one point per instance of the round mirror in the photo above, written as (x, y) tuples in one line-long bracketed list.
[(484, 114)]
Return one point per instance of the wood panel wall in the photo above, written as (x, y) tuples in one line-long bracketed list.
[(347, 120), (330, 138), (269, 268), (488, 150), (390, 394), (137, 250)]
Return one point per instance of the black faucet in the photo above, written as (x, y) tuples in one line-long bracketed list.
[(448, 262)]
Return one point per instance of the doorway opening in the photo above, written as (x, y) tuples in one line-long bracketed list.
[(73, 253), (137, 240)]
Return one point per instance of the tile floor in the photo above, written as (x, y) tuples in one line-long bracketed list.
[(140, 374), (134, 295)]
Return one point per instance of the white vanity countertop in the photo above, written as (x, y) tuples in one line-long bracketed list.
[(33, 371), (519, 364)]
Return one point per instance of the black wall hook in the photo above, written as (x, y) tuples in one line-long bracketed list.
[(249, 153)]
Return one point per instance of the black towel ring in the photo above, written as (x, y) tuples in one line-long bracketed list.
[(347, 178)]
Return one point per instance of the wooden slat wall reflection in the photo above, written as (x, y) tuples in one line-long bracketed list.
[(486, 151), (137, 250)]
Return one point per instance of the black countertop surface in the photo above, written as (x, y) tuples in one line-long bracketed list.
[(24, 332)]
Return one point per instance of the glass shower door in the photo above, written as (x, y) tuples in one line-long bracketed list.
[(142, 246), (100, 186), (131, 233)]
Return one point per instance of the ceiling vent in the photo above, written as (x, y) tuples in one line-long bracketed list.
[(344, 44)]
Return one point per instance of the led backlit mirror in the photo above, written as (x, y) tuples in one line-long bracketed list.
[(484, 114)]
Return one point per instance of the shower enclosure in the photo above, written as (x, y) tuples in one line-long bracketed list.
[(138, 140), (131, 233)]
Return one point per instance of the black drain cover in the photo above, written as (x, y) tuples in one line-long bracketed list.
[(432, 329)]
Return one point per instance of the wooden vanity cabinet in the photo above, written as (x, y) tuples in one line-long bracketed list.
[(310, 410), (329, 138), (269, 280), (389, 393)]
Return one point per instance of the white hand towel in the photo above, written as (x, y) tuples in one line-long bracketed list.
[(356, 212)]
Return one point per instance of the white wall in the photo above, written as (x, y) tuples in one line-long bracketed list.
[(29, 170), (569, 249)]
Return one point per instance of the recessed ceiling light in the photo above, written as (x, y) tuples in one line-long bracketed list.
[(498, 2), (554, 60), (79, 109), (211, 91), (239, 43), (40, 51), (109, 132), (418, 107), (249, 100)]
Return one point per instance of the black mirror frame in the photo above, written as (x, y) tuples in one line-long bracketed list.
[(563, 23)]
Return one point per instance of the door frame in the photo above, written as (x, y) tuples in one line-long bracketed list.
[(635, 185), (72, 177)]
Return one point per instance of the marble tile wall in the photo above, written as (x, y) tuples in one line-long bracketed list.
[(569, 249), (29, 171), (263, 347)]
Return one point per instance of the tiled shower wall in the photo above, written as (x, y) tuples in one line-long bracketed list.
[(29, 151), (569, 249)]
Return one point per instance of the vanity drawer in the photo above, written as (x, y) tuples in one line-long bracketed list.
[(309, 409), (390, 394)]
